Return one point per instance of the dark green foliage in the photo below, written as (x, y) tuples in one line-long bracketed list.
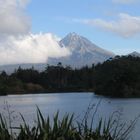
[(4, 133), (117, 77)]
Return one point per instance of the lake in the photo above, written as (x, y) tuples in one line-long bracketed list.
[(76, 103)]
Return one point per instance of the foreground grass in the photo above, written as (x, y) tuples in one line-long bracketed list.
[(66, 129)]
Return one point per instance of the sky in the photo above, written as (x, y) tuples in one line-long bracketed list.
[(30, 29)]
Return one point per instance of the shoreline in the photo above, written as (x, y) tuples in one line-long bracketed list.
[(49, 92), (69, 92)]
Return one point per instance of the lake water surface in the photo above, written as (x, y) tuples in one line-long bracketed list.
[(76, 103)]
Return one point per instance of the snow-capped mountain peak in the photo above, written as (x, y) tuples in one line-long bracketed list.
[(83, 51), (71, 41), (75, 42)]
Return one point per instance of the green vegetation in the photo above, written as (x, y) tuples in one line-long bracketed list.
[(117, 77), (66, 129)]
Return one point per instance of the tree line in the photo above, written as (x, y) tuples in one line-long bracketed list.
[(117, 77)]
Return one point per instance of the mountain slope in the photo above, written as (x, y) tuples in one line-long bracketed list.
[(135, 54), (83, 52)]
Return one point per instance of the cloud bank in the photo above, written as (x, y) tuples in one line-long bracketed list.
[(125, 25), (17, 43), (32, 48), (14, 20)]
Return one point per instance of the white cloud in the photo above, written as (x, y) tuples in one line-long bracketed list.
[(23, 3), (32, 48), (13, 19), (17, 43), (125, 1), (124, 26)]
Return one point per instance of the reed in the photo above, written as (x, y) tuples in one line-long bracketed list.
[(67, 129)]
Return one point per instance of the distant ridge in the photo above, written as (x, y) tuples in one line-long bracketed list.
[(11, 68)]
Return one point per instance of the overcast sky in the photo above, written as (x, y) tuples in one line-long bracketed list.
[(30, 29)]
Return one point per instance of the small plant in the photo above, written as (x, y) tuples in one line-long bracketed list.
[(4, 131)]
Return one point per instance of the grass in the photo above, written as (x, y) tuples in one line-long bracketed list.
[(67, 129)]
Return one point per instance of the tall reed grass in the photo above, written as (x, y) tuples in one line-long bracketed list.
[(67, 129)]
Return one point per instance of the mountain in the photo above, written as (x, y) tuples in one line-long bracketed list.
[(135, 54), (83, 52)]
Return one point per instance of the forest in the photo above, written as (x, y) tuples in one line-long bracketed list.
[(116, 77)]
